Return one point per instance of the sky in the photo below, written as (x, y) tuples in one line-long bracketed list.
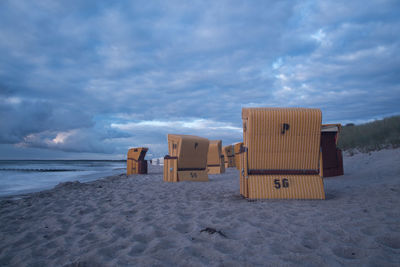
[(84, 79)]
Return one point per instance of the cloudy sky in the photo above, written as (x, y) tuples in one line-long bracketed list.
[(89, 79)]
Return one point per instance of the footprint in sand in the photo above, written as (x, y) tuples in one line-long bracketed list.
[(348, 252), (27, 239), (392, 241), (161, 244), (110, 252), (223, 214), (137, 249), (58, 254), (121, 232), (310, 243), (90, 237), (182, 228), (369, 230), (141, 238), (224, 248), (106, 224)]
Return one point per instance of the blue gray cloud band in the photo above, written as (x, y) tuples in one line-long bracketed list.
[(100, 77)]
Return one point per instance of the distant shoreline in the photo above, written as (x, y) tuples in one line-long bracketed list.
[(105, 160)]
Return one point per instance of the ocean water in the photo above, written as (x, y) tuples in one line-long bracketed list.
[(26, 176)]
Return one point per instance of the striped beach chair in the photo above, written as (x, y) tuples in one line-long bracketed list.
[(236, 150), (135, 163), (229, 156), (187, 159), (215, 159), (331, 155), (281, 156)]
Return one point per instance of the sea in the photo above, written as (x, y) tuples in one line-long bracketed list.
[(26, 176)]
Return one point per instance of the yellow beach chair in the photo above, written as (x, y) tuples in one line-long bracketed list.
[(236, 151), (187, 159), (135, 163), (332, 156), (281, 155), (215, 159), (229, 156)]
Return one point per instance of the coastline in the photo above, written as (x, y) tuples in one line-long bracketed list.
[(29, 176)]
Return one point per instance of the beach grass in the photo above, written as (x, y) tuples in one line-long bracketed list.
[(371, 136)]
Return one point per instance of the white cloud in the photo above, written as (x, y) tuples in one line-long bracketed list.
[(196, 124), (61, 137), (281, 76), (277, 63), (11, 100), (319, 35), (363, 53)]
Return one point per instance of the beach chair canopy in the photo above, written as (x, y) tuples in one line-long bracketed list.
[(137, 153), (286, 139)]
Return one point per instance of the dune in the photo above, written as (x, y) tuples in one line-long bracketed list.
[(139, 220)]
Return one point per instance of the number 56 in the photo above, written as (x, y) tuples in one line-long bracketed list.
[(278, 185)]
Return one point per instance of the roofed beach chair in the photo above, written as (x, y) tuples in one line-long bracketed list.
[(281, 155), (136, 164), (215, 159), (236, 150), (187, 159), (331, 155), (229, 156)]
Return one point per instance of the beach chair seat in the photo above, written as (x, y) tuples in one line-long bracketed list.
[(215, 159), (187, 159), (280, 156), (136, 164)]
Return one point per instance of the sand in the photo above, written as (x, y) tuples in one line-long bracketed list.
[(141, 221)]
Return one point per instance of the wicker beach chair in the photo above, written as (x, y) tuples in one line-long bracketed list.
[(229, 156), (281, 156), (215, 159), (236, 150), (187, 159), (331, 155), (135, 163)]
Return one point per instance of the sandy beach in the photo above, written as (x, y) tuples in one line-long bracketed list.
[(142, 221)]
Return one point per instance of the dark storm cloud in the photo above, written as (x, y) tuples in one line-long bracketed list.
[(97, 76), (20, 118)]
